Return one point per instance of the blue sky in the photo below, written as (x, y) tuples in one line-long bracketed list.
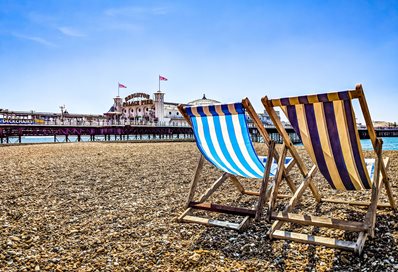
[(74, 52)]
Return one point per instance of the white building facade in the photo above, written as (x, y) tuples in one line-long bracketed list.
[(142, 108)]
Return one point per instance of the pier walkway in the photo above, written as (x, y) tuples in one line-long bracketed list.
[(131, 132)]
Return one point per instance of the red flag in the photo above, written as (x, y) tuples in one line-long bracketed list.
[(122, 86), (162, 78)]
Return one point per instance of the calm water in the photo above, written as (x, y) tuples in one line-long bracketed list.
[(389, 143)]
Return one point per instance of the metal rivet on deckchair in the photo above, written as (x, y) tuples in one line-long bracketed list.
[(326, 124)]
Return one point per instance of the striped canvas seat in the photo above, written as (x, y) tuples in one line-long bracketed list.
[(223, 138), (326, 125)]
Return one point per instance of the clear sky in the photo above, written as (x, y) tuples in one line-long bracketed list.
[(74, 52)]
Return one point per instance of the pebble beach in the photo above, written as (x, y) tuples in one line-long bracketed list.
[(113, 207)]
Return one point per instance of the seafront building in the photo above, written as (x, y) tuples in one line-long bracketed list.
[(141, 108), (138, 108)]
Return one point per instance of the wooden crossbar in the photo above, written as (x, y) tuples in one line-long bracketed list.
[(212, 222), (320, 221), (354, 203), (253, 193), (316, 240), (222, 209)]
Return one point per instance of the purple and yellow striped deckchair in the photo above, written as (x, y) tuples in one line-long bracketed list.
[(223, 138), (326, 124)]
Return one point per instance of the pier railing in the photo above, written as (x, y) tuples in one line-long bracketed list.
[(129, 130)]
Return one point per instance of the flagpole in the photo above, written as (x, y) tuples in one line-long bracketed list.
[(118, 88), (159, 83)]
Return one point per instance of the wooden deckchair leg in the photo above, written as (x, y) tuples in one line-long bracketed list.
[(290, 183), (195, 180), (375, 141), (278, 179), (238, 185), (264, 183), (214, 187), (293, 201), (387, 186), (360, 242), (370, 218), (315, 192)]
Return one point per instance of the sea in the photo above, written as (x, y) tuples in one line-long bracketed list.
[(389, 143)]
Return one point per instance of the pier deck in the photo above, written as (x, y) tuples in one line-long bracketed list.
[(122, 132)]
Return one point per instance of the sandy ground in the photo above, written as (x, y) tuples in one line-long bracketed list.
[(113, 207)]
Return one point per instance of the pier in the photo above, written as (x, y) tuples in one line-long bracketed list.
[(13, 133)]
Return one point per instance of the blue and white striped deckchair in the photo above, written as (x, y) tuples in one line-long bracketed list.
[(326, 124), (223, 138)]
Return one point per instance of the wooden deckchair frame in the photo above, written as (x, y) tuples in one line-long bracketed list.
[(365, 228), (263, 193)]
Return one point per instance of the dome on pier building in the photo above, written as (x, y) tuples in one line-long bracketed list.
[(203, 101)]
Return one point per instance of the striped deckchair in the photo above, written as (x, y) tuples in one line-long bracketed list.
[(326, 124), (223, 139)]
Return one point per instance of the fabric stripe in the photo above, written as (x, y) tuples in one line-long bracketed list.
[(312, 99), (356, 145), (232, 152), (292, 115), (344, 137), (275, 102), (215, 110), (316, 143), (217, 141), (285, 101), (332, 120), (236, 144), (303, 130), (293, 100), (206, 143), (243, 145), (326, 147), (323, 97), (243, 171), (333, 96)]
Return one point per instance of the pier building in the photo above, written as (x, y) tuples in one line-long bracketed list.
[(142, 108)]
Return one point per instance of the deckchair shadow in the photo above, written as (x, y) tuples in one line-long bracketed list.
[(326, 124), (222, 137)]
